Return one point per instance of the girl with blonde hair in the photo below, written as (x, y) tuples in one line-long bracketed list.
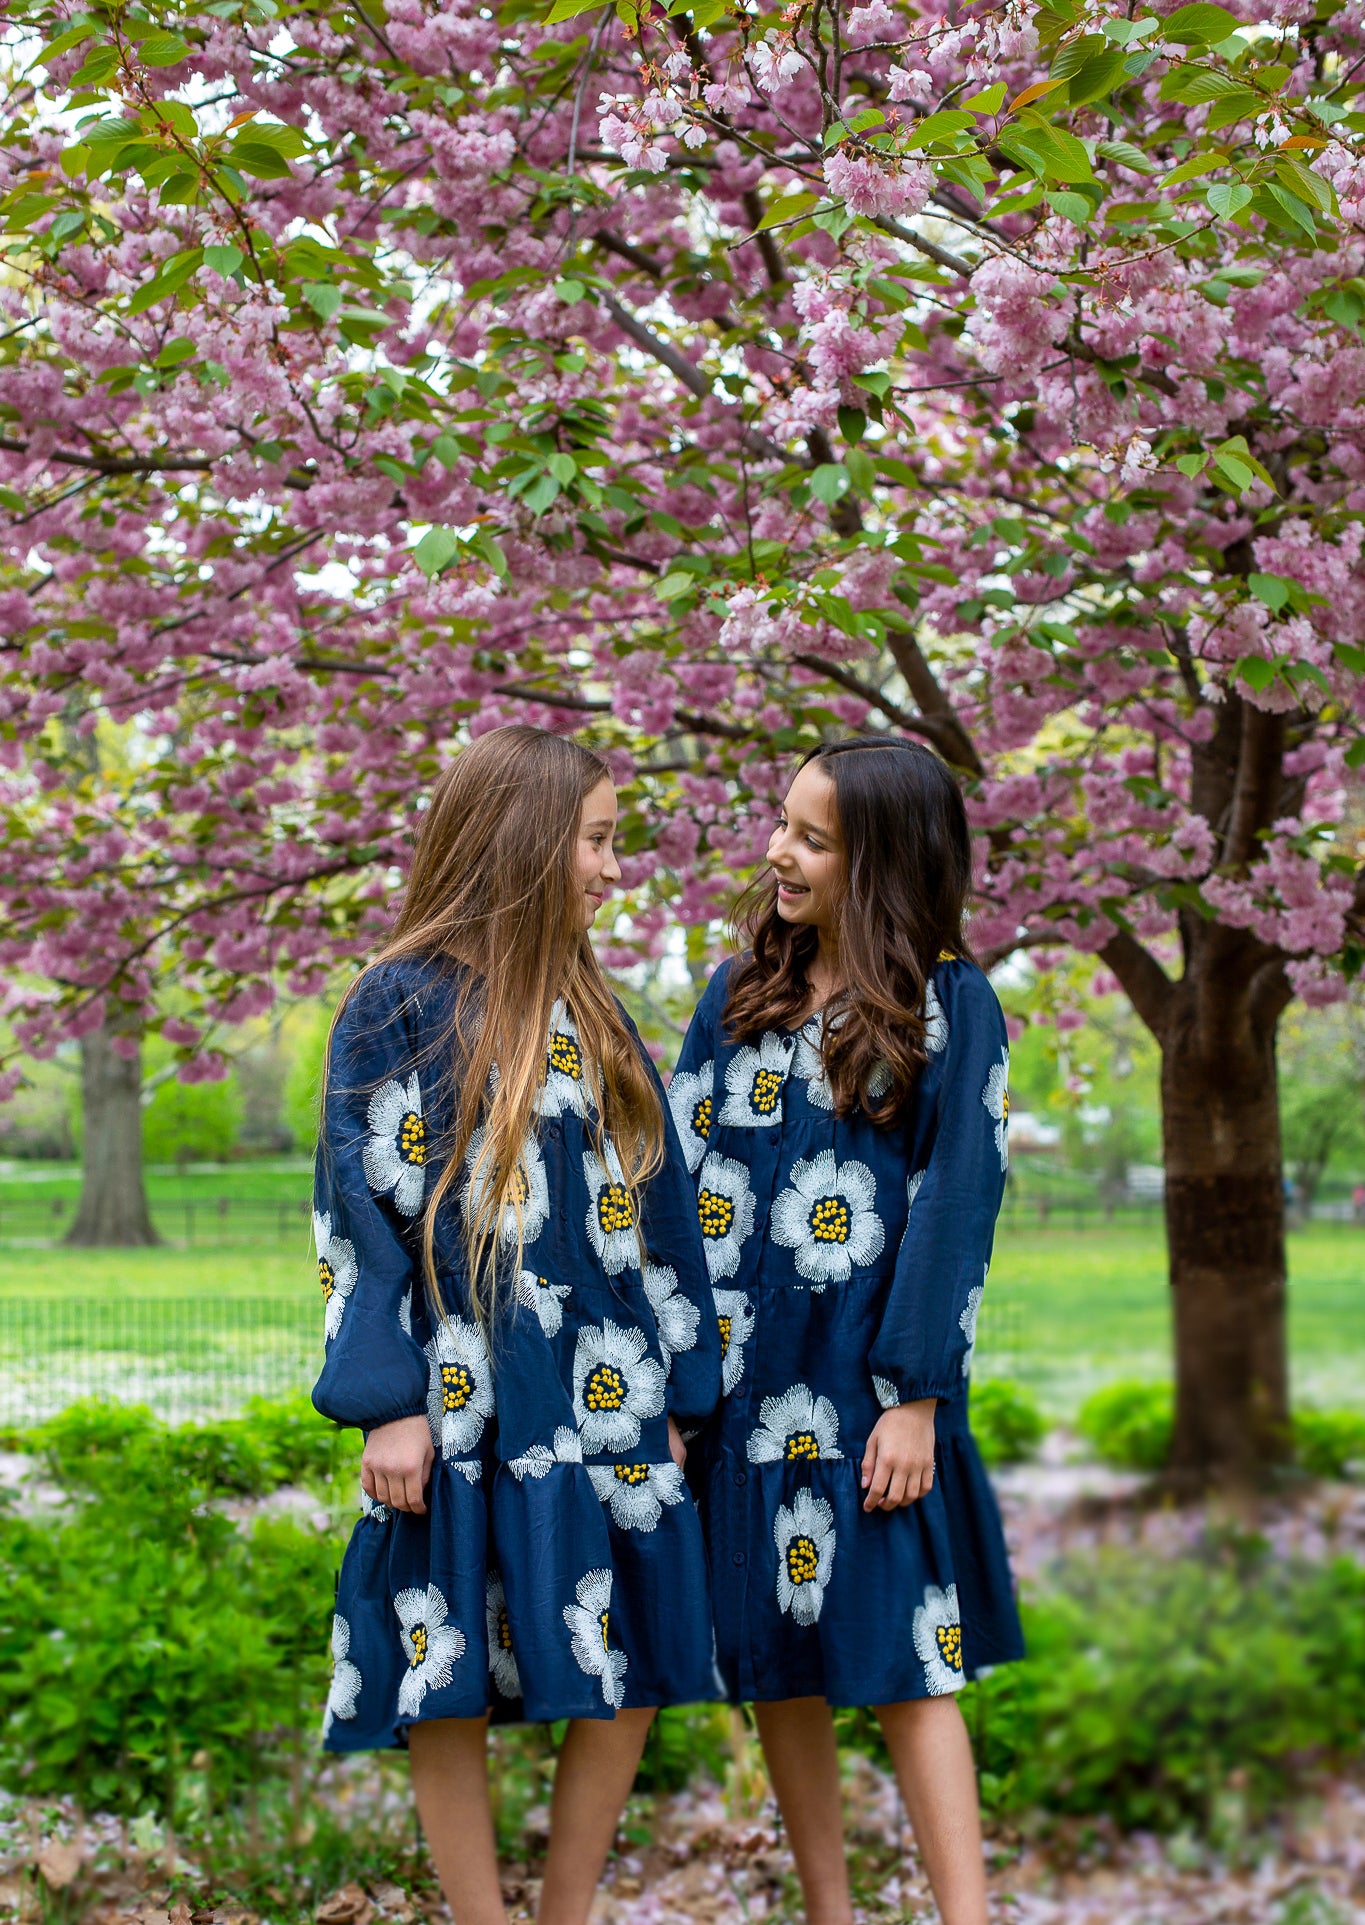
[(509, 1253)]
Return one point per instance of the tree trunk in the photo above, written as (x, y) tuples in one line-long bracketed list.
[(113, 1206), (1225, 1231)]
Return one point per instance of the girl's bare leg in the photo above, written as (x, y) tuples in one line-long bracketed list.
[(449, 1759), (803, 1764), (597, 1764), (932, 1756)]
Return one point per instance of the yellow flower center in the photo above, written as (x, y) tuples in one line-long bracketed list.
[(701, 1118), (830, 1221), (418, 1635), (457, 1386), (765, 1092), (632, 1473), (565, 1057), (803, 1560), (725, 1326), (519, 1186), (603, 1620), (504, 1631), (613, 1209), (1004, 1106), (412, 1139), (326, 1277), (606, 1389), (801, 1444), (717, 1213), (949, 1640)]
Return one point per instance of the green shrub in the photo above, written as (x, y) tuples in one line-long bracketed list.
[(1330, 1443), (1006, 1422), (1150, 1685), (1130, 1423)]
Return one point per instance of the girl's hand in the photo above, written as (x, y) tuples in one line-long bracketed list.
[(677, 1447), (397, 1463), (898, 1464)]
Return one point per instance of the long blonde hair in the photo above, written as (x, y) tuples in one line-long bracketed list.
[(494, 886)]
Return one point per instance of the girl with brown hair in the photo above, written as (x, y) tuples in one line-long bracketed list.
[(841, 1097), (513, 1275)]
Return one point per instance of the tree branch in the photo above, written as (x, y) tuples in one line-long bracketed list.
[(953, 262), (1145, 983), (956, 746), (1256, 786)]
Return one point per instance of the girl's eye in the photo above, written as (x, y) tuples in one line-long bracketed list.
[(813, 843)]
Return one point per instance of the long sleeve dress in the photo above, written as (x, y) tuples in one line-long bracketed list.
[(559, 1569), (848, 1264)]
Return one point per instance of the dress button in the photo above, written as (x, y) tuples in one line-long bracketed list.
[(741, 1479), (738, 1557)]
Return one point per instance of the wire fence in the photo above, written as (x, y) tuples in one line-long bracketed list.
[(193, 1222), (186, 1358)]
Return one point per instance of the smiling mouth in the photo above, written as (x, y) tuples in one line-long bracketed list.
[(792, 888)]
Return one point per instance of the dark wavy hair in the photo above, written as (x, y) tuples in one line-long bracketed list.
[(906, 884)]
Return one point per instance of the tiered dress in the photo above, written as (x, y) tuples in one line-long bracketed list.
[(559, 1570), (848, 1264)]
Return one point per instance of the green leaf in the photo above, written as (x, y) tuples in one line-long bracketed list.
[(674, 586), (256, 157), (790, 208), (852, 424), (1072, 207), (563, 467), (1310, 187), (165, 283), (1355, 755), (569, 291), (541, 494), (938, 127), (830, 482), (64, 43), (224, 260), (325, 301), (1236, 474), (1301, 215), (1097, 77), (1228, 198), (989, 101), (1126, 155), (570, 9), (174, 352), (1241, 105), (1269, 589), (1256, 671), (1202, 24), (1191, 465), (437, 548), (96, 70), (163, 50)]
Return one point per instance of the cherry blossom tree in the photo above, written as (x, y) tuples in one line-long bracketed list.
[(707, 380)]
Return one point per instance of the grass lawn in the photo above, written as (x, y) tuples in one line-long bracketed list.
[(1068, 1308)]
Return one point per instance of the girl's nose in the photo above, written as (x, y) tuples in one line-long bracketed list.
[(611, 868)]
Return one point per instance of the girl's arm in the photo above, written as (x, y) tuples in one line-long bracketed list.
[(369, 1186), (923, 1348)]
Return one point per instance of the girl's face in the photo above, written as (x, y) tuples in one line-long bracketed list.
[(595, 865), (806, 852)]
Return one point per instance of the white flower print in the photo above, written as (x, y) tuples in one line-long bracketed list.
[(396, 1153), (635, 1494), (996, 1097), (809, 1065), (676, 1318), (344, 1693), (502, 1665), (375, 1513), (540, 1459), (589, 1622), (611, 1213), (912, 1184), (827, 1218), (935, 1022), (966, 1323), (545, 1298), (432, 1646), (337, 1271), (566, 1082), (887, 1394), (469, 1468), (460, 1393), (405, 1312), (795, 1428), (937, 1633), (725, 1205), (690, 1100), (530, 1183), (753, 1084), (735, 1315), (616, 1384), (804, 1534)]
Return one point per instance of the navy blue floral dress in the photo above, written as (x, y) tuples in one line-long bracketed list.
[(848, 1266), (559, 1571)]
